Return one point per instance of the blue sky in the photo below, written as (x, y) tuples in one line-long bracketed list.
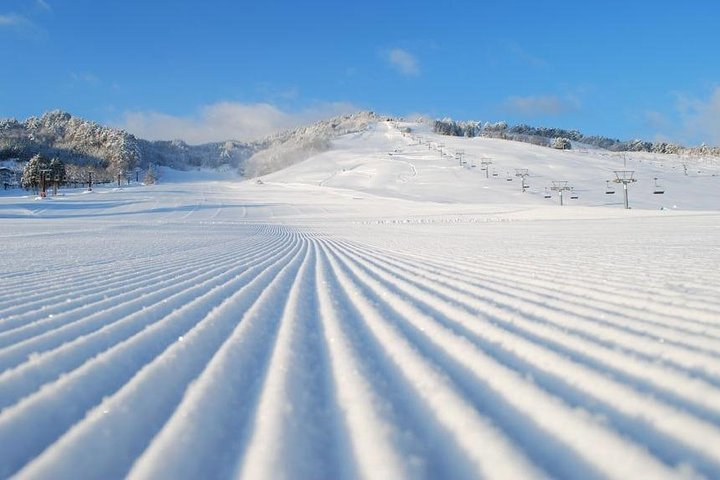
[(210, 70)]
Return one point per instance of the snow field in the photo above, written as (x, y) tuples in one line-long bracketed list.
[(403, 362)]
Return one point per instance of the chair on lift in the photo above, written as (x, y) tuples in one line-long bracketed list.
[(659, 190)]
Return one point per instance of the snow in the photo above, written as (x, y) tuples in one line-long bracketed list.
[(375, 311)]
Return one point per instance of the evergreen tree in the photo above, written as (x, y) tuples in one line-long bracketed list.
[(561, 143), (31, 172), (57, 171), (151, 175)]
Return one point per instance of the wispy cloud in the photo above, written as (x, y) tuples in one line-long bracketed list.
[(24, 22), (524, 56), (403, 61), (14, 20), (274, 94), (657, 120), (85, 78), (43, 5), (700, 117), (22, 25), (225, 121), (541, 105)]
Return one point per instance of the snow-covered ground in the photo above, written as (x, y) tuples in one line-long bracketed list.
[(377, 311)]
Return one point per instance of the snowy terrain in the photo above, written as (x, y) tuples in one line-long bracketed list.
[(376, 311)]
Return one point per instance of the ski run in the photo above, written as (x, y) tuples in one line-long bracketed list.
[(376, 311)]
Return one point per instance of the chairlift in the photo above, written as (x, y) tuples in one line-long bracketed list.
[(495, 174), (609, 189), (509, 178), (659, 190), (573, 194), (547, 193)]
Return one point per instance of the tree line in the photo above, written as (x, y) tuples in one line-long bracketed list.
[(560, 138), (41, 172)]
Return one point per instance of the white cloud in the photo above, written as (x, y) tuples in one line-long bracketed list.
[(43, 5), (21, 25), (541, 105), (272, 93), (225, 121), (524, 56), (13, 20), (85, 78), (691, 121), (403, 61), (701, 118)]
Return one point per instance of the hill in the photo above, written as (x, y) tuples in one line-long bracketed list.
[(107, 150), (84, 143), (408, 160)]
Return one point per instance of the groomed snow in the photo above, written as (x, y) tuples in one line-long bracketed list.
[(376, 311)]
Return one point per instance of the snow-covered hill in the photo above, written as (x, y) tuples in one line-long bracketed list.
[(387, 160), (293, 146), (80, 142), (374, 311)]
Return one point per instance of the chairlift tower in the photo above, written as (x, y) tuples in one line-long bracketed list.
[(560, 186), (459, 156), (485, 165), (625, 177), (523, 174)]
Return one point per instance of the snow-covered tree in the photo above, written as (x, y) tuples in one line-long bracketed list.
[(495, 127), (561, 143), (31, 173), (57, 171), (151, 175)]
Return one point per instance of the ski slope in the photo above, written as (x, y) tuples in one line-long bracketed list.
[(376, 311)]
